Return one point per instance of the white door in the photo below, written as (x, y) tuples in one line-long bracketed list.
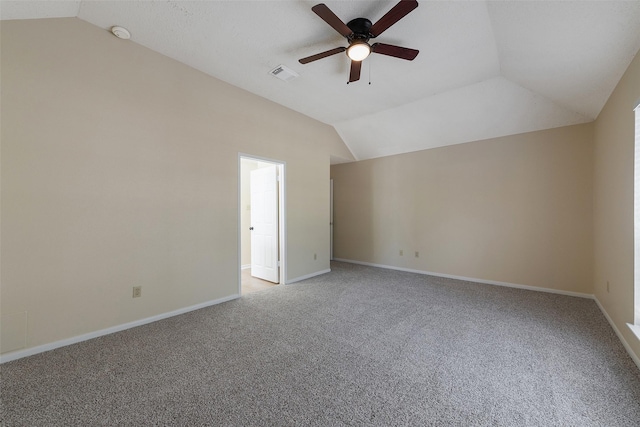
[(264, 223)]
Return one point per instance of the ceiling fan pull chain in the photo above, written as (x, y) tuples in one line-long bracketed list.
[(370, 64)]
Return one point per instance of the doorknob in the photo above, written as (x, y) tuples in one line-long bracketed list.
[(250, 228)]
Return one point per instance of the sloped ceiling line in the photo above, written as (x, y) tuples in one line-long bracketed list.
[(485, 68)]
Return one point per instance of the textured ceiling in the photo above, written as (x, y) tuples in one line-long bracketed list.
[(485, 68)]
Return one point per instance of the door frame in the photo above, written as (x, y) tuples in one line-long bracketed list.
[(331, 219), (282, 214)]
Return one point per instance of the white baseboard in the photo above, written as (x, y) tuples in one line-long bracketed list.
[(245, 267), (635, 329), (308, 276), (472, 279), (18, 354), (626, 345)]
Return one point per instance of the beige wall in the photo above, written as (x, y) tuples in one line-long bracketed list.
[(613, 203), (515, 209), (120, 168)]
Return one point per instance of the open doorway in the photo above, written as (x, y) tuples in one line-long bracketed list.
[(261, 196)]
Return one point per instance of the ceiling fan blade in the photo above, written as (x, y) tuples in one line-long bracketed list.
[(321, 55), (395, 51), (330, 18), (354, 75), (396, 13)]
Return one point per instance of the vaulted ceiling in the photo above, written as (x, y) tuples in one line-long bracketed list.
[(485, 68)]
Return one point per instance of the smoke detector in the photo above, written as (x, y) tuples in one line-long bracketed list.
[(121, 33), (283, 73)]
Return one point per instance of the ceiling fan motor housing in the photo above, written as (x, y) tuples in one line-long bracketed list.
[(359, 31), (360, 28)]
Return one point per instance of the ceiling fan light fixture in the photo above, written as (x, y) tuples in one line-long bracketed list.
[(359, 31), (358, 51)]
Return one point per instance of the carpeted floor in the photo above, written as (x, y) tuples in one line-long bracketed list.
[(357, 346)]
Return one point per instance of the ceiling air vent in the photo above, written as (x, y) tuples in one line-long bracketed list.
[(283, 73)]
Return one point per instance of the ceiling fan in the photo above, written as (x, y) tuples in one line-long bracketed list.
[(359, 31)]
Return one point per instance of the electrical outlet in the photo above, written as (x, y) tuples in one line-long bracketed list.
[(315, 256), (417, 254), (401, 252), (137, 291), (607, 286)]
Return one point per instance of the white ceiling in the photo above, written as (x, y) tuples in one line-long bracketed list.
[(485, 68)]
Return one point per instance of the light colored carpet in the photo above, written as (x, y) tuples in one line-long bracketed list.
[(357, 346)]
